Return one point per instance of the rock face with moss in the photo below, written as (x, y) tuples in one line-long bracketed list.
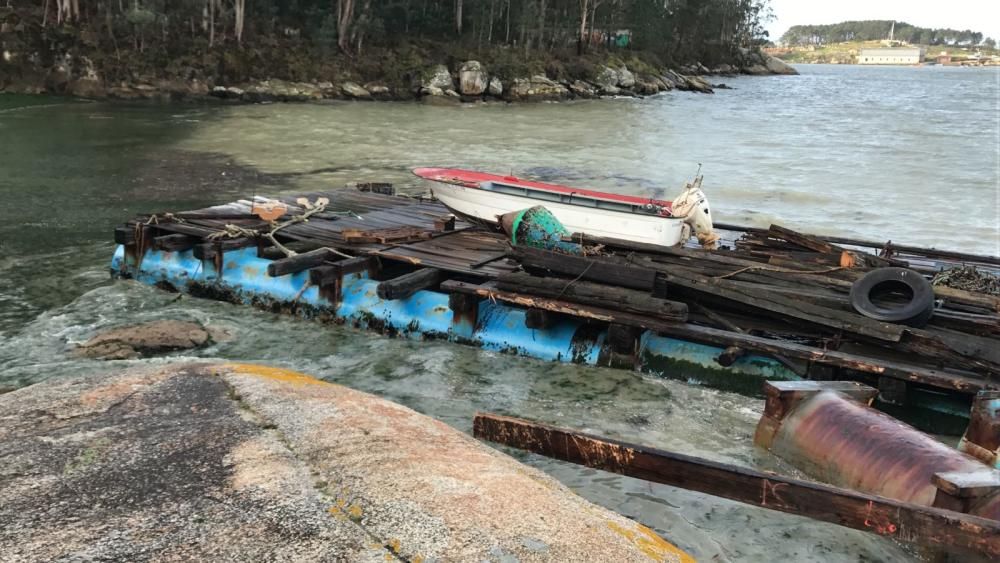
[(249, 463)]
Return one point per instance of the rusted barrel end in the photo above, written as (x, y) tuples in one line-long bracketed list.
[(828, 430)]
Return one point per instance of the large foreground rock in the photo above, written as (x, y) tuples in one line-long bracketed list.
[(248, 463)]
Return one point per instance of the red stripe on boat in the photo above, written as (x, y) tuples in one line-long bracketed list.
[(472, 179)]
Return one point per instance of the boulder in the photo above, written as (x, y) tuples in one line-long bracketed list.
[(777, 66), (237, 462), (452, 94), (723, 69), (698, 84), (228, 92), (472, 80), (607, 81), (495, 87), (537, 88), (756, 70), (354, 91), (582, 89), (146, 339), (648, 85), (625, 78), (438, 77), (378, 90)]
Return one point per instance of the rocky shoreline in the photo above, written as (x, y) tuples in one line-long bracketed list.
[(468, 82)]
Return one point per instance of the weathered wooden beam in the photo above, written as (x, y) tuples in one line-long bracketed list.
[(331, 272), (300, 262), (175, 242), (724, 338), (603, 270), (886, 517), (408, 284), (125, 234), (210, 250), (608, 296)]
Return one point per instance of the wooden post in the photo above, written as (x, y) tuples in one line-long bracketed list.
[(912, 523), (538, 319)]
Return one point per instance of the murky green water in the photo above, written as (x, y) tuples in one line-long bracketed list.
[(907, 154)]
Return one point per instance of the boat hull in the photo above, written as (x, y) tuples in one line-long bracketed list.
[(486, 206)]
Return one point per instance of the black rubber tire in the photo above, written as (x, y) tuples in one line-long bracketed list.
[(916, 313)]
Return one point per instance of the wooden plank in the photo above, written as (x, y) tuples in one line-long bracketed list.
[(964, 484), (300, 262), (614, 272), (612, 297), (408, 284), (775, 303), (724, 338), (886, 517)]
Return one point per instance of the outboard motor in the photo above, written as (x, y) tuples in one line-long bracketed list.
[(692, 206)]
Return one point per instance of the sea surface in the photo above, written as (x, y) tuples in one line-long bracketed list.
[(907, 154)]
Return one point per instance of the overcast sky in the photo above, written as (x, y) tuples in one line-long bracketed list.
[(977, 15)]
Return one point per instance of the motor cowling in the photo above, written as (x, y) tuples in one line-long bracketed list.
[(692, 206)]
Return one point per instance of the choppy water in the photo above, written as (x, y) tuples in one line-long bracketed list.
[(903, 153)]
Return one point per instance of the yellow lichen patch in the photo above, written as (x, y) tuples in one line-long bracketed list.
[(337, 513), (417, 559), (655, 547), (278, 374), (354, 511), (393, 545)]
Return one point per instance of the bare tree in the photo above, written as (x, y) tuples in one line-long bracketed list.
[(239, 13), (345, 17)]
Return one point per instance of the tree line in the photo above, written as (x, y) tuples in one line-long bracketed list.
[(681, 30), (874, 30)]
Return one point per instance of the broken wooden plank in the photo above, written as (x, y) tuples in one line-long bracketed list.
[(776, 303), (408, 284), (612, 297), (909, 249), (724, 338), (886, 517), (303, 261)]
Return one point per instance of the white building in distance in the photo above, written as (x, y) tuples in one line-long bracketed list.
[(904, 56)]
